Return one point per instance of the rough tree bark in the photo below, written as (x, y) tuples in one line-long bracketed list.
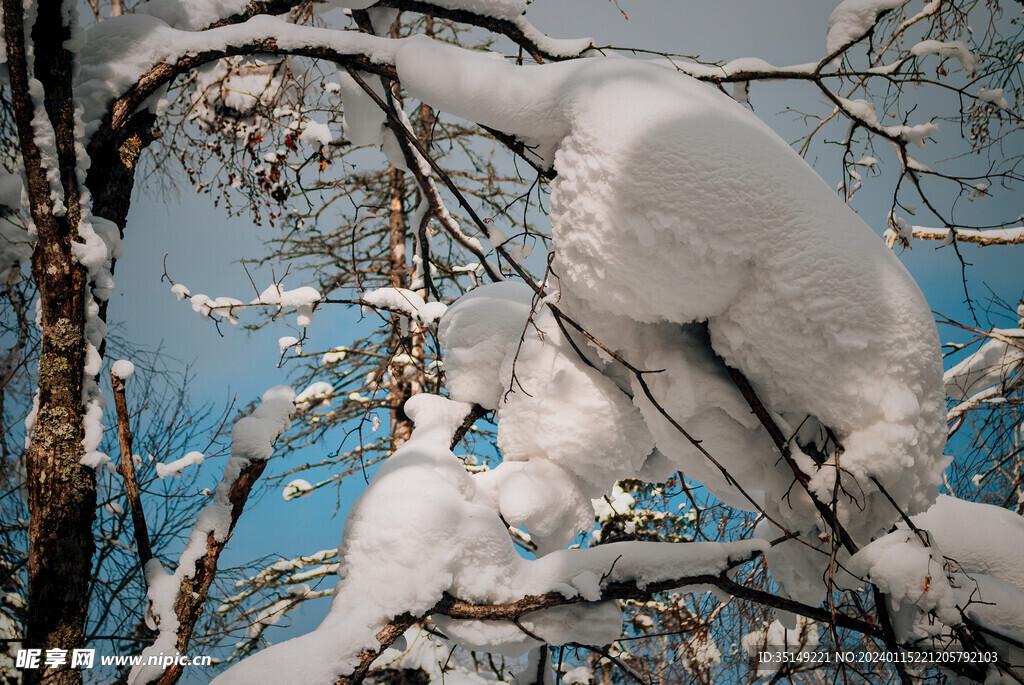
[(194, 590), (400, 388), (127, 470), (62, 492)]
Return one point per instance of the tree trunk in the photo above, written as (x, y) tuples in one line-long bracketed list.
[(400, 388), (62, 492)]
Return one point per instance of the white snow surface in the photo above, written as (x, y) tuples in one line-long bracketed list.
[(851, 19), (566, 432), (700, 393), (917, 134), (910, 574), (997, 364), (286, 342), (119, 50), (252, 439), (363, 120), (176, 467), (123, 369), (507, 10), (749, 261), (979, 538), (994, 96), (192, 15), (398, 299), (334, 356), (316, 134), (994, 604), (970, 566), (296, 488), (46, 141), (431, 312), (617, 502), (732, 67), (408, 302), (514, 11), (796, 291), (448, 541), (566, 412), (580, 675), (1012, 234), (253, 436), (476, 333), (951, 48), (303, 299), (317, 395)]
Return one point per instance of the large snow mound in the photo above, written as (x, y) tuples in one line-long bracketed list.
[(566, 432), (423, 527), (676, 207), (979, 538)]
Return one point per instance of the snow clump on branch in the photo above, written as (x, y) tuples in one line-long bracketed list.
[(692, 241), (851, 19), (658, 257), (450, 540), (252, 440)]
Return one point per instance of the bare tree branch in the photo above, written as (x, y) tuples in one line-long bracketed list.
[(127, 471)]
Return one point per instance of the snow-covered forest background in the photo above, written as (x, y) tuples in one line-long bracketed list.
[(699, 341)]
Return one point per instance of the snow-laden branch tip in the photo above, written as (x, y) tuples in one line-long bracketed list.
[(170, 594), (177, 467), (953, 48), (123, 369), (995, 368), (406, 301), (1013, 235), (967, 564), (852, 19), (302, 299)]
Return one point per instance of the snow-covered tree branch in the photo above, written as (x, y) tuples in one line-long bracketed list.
[(713, 357)]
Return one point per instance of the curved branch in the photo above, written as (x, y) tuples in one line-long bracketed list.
[(456, 608), (156, 77), (161, 74), (512, 30), (514, 611), (257, 7)]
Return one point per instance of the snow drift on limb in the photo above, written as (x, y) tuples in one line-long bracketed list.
[(970, 567), (675, 204), (252, 440), (566, 432), (419, 531)]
